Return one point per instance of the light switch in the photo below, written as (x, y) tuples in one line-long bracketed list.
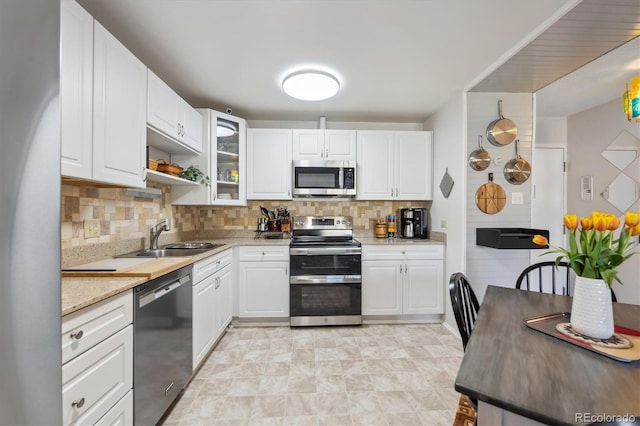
[(517, 198)]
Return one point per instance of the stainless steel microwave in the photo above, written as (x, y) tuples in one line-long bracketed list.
[(324, 178)]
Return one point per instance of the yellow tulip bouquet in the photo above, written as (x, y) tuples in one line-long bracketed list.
[(596, 253)]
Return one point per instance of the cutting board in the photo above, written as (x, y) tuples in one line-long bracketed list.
[(128, 267)]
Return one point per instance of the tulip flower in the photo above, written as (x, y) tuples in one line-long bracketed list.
[(599, 222), (540, 240), (586, 223), (612, 222), (571, 221), (596, 253), (631, 219)]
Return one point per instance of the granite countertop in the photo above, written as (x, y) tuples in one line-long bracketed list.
[(81, 291), (398, 241)]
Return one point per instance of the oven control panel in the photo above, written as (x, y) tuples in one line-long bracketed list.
[(322, 222)]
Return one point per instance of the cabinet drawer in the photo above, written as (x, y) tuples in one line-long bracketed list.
[(121, 414), (402, 252), (264, 253), (87, 327), (97, 379), (205, 267)]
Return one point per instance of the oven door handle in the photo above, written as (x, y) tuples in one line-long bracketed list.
[(324, 251), (326, 279)]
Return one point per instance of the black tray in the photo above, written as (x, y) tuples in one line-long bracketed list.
[(547, 324)]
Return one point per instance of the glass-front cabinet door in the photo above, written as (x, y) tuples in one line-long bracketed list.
[(228, 150)]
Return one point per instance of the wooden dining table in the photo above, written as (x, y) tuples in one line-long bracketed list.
[(523, 376)]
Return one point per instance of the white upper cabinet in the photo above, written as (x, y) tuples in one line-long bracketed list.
[(192, 127), (413, 165), (76, 89), (178, 125), (319, 144), (223, 159), (119, 112), (103, 91), (269, 164), (374, 174), (394, 165)]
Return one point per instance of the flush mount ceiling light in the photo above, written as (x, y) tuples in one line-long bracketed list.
[(310, 85), (223, 130)]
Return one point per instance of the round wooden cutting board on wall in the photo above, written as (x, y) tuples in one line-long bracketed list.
[(490, 197)]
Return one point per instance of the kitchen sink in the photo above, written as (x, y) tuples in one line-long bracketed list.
[(192, 245), (174, 250)]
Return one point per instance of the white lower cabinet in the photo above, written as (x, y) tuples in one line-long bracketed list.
[(402, 280), (120, 414), (263, 282), (212, 302), (97, 370)]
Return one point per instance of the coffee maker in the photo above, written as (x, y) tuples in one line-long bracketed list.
[(414, 223)]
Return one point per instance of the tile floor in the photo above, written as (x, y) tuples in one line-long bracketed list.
[(368, 375)]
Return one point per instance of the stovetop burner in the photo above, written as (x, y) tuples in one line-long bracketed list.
[(314, 231)]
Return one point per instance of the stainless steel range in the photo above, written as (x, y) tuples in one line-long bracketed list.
[(326, 272)]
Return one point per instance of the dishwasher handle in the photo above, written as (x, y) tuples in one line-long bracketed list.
[(150, 296)]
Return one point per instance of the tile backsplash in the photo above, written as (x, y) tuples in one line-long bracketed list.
[(125, 220)]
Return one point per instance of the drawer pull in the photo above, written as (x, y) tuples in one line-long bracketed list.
[(77, 335), (78, 404)]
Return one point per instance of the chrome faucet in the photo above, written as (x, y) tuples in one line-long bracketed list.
[(156, 231)]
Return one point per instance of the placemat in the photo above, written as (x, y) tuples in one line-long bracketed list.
[(548, 324)]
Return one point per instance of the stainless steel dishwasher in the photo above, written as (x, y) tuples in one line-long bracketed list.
[(162, 343)]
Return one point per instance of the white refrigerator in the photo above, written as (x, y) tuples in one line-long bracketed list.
[(30, 349)]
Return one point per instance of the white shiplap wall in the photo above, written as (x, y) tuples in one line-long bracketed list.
[(485, 265)]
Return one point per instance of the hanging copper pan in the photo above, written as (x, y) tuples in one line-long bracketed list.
[(502, 131)]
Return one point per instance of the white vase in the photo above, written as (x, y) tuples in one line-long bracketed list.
[(591, 309)]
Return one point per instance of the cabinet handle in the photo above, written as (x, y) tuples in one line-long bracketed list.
[(77, 335), (288, 192), (286, 271), (214, 195), (401, 268), (78, 403), (405, 268)]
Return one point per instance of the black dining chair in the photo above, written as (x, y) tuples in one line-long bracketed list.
[(465, 305), (546, 277), (465, 309)]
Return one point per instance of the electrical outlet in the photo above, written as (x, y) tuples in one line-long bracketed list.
[(443, 224), (91, 228)]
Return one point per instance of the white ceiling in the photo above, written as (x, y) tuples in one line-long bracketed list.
[(398, 60), (600, 81)]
